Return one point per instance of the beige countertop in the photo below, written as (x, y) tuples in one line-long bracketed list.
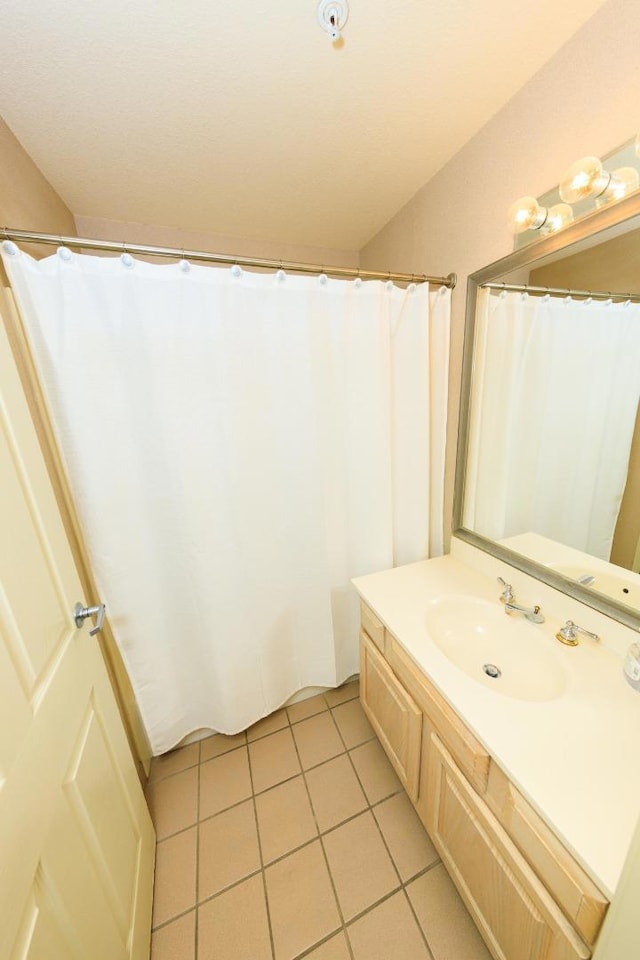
[(576, 758)]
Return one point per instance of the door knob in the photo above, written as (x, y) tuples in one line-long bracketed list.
[(81, 613)]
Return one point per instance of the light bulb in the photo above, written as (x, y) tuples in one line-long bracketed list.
[(558, 216), (623, 181), (585, 178), (526, 214)]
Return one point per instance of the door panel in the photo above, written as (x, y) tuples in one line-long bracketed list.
[(76, 841)]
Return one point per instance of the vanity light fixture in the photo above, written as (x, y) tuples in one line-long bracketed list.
[(560, 214), (586, 180), (332, 16), (583, 179), (527, 214), (623, 181)]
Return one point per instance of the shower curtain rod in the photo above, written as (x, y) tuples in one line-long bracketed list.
[(180, 253), (562, 292)]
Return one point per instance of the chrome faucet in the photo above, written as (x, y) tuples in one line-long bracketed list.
[(507, 595), (569, 634), (532, 614)]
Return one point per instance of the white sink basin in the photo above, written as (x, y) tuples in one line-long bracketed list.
[(478, 636)]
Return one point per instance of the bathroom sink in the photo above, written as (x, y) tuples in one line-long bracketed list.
[(503, 653), (624, 587)]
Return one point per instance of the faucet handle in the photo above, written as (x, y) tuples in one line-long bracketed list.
[(569, 634), (507, 595)]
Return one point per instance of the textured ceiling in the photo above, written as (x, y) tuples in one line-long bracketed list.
[(242, 118)]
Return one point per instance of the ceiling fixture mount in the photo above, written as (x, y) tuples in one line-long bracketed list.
[(332, 16)]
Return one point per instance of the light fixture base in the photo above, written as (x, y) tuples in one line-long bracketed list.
[(332, 16)]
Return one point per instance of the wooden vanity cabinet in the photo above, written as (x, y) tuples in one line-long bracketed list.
[(394, 716), (511, 907), (528, 896)]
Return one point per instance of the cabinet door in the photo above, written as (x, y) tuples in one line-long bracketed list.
[(513, 911), (394, 716)]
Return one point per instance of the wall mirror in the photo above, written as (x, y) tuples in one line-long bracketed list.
[(548, 468)]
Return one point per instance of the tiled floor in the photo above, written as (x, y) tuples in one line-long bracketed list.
[(296, 840)]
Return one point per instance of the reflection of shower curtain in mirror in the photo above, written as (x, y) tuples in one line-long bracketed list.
[(239, 447), (555, 391)]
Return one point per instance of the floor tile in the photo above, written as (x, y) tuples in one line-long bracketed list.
[(449, 929), (234, 926), (306, 708), (228, 849), (361, 868), (218, 744), (273, 759), (334, 949), (335, 792), (270, 724), (406, 838), (224, 781), (317, 740), (340, 694), (174, 761), (173, 802), (376, 774), (176, 941), (389, 932), (285, 819), (301, 901), (174, 889), (352, 723)]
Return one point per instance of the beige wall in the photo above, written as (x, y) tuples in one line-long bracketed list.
[(27, 199), (213, 242), (584, 101)]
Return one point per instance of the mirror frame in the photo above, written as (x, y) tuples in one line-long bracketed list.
[(587, 227)]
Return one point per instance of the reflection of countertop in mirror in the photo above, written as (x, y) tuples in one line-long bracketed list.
[(608, 579), (575, 756)]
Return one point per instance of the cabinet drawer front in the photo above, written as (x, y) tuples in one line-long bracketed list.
[(469, 753), (372, 626), (572, 888), (512, 909), (394, 716)]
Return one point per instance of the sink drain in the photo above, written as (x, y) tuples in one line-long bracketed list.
[(492, 671)]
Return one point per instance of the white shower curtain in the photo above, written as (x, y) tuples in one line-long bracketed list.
[(239, 446), (556, 384)]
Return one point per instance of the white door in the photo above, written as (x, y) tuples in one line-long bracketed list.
[(76, 840)]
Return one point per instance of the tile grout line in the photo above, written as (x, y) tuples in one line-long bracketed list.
[(319, 835), (403, 885), (261, 855), (290, 723), (324, 852)]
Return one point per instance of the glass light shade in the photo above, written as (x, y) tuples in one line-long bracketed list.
[(584, 178), (624, 180), (526, 214), (559, 215)]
